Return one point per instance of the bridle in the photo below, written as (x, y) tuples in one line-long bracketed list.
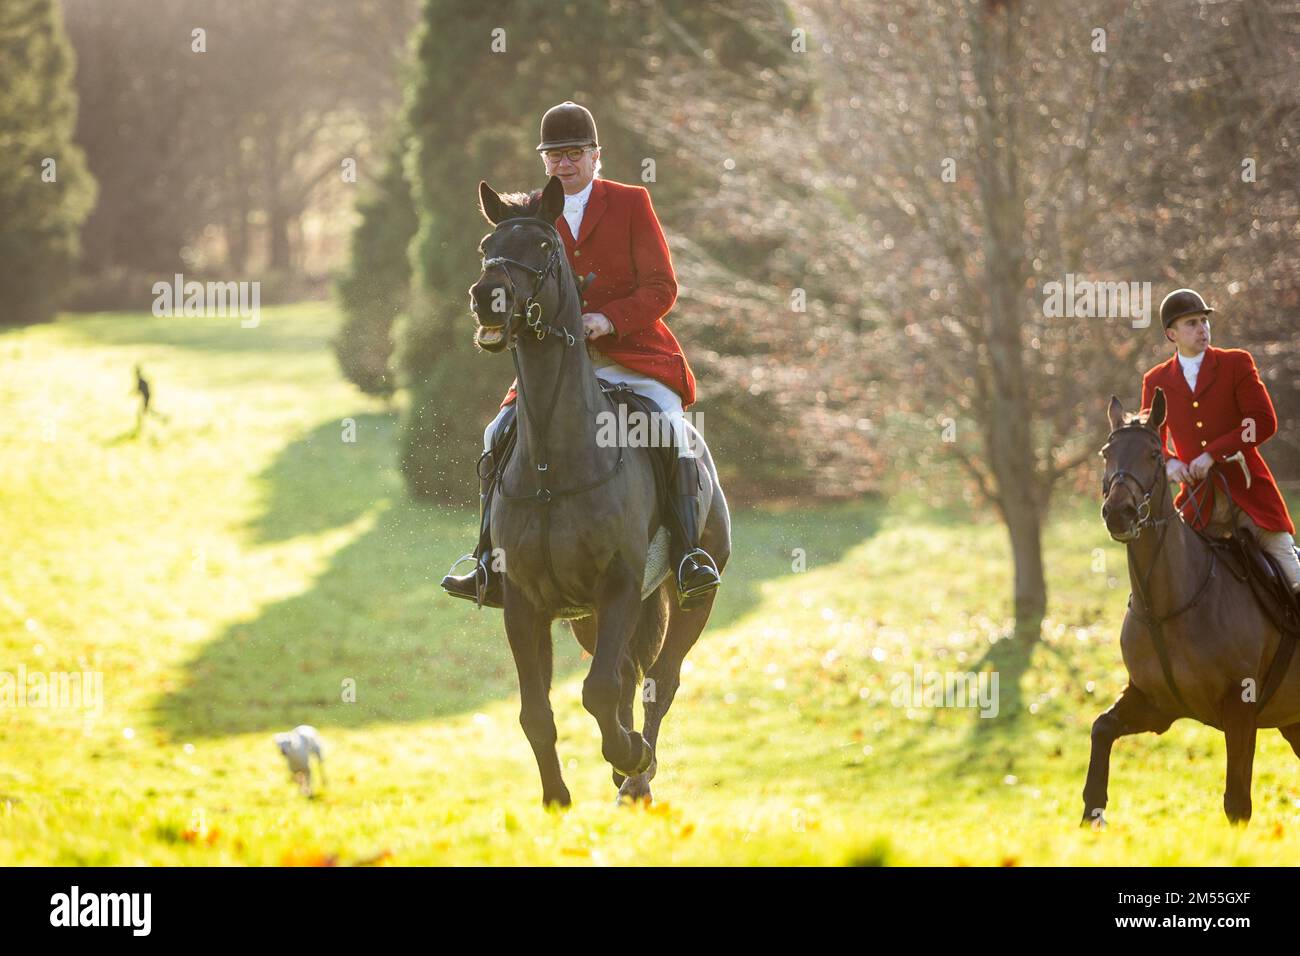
[(532, 315), (1144, 510)]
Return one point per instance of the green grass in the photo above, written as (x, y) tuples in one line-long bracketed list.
[(229, 569)]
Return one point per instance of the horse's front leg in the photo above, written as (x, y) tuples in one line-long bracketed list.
[(529, 634), (617, 609), (1239, 730), (1133, 713)]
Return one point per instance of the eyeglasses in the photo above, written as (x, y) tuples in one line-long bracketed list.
[(572, 155)]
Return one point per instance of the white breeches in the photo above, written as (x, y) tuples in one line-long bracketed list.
[(686, 437), (1280, 544)]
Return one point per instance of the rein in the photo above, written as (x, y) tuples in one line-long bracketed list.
[(532, 315)]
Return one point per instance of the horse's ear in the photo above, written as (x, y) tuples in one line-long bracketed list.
[(552, 200), (1156, 417), (489, 203), (1115, 413)]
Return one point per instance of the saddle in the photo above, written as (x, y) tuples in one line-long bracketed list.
[(1249, 562)]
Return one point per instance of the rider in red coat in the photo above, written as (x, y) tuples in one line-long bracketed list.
[(611, 234), (633, 287), (1219, 413)]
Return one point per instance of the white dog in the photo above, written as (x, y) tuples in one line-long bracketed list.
[(298, 745)]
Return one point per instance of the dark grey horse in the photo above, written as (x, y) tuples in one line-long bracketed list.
[(574, 517)]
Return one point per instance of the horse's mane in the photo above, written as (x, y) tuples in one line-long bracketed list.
[(522, 204)]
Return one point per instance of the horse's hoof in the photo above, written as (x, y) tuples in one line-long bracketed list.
[(556, 801), (635, 790), (645, 756), (1237, 811)]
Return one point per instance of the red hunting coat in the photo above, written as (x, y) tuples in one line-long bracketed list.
[(1214, 419), (621, 241)]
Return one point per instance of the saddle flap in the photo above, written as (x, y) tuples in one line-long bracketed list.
[(1258, 562), (1268, 582)]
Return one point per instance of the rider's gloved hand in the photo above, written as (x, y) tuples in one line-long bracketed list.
[(595, 324), (1177, 470), (1201, 465)]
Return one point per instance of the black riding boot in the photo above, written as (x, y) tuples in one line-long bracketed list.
[(483, 584), (697, 573)]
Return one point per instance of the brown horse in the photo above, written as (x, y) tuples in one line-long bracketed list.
[(1196, 641), (575, 516)]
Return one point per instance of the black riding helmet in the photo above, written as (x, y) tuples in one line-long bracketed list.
[(567, 124), (1179, 303)]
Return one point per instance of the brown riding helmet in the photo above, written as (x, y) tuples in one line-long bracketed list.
[(1179, 303), (567, 124)]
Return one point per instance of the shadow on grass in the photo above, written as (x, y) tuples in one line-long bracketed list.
[(374, 639), (1010, 659), (768, 544), (990, 748)]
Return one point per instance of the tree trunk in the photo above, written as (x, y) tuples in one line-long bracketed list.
[(278, 224), (1029, 593), (1008, 437), (237, 237)]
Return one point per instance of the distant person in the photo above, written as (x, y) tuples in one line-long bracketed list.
[(146, 393), (1219, 409)]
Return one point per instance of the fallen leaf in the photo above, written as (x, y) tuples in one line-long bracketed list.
[(305, 857)]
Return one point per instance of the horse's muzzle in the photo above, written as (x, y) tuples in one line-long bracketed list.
[(490, 338), (492, 300), (1123, 523)]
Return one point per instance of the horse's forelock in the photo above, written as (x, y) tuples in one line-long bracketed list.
[(522, 204), (1137, 418)]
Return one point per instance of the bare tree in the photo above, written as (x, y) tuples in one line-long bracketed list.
[(959, 157)]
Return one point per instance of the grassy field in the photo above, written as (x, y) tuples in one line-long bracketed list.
[(227, 570)]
